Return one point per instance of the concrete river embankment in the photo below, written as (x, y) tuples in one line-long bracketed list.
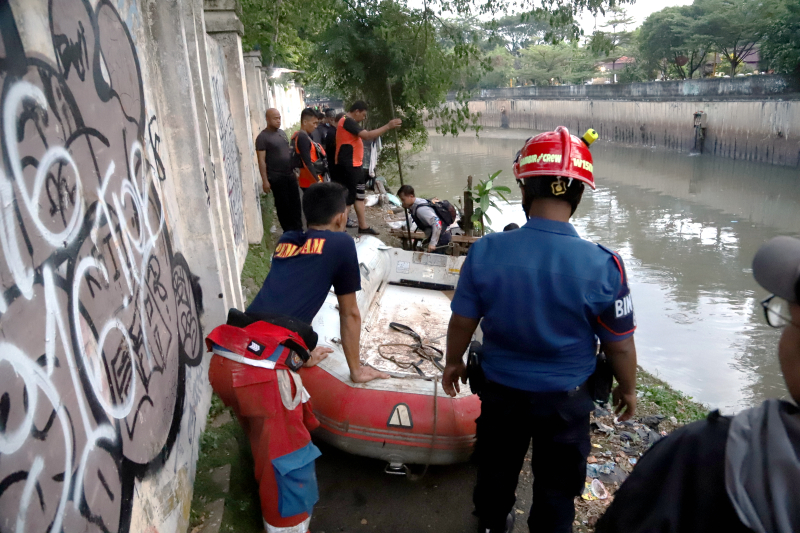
[(753, 118)]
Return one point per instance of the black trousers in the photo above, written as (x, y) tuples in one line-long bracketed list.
[(287, 201), (556, 427)]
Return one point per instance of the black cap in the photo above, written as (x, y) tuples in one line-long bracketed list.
[(776, 267)]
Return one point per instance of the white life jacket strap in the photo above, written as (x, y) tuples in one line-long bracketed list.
[(299, 528), (285, 378), (270, 365)]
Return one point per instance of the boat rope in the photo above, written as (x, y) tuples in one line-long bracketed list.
[(425, 352), (415, 477)]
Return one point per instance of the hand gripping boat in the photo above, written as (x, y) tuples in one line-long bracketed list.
[(406, 419)]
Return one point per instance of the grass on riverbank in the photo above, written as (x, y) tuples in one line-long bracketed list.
[(259, 256)]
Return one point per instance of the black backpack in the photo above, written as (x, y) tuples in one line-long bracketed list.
[(444, 210)]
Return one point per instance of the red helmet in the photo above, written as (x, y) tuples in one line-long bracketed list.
[(555, 153)]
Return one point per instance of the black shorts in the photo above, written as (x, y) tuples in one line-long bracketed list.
[(353, 179)]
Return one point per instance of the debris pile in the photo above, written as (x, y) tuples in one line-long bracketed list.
[(616, 449)]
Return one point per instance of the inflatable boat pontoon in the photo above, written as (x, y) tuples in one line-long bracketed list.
[(406, 419)]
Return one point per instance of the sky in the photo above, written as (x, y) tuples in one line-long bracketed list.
[(639, 11)]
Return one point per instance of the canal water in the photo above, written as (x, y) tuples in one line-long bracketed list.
[(687, 228)]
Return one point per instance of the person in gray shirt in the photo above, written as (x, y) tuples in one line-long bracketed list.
[(426, 219), (277, 174)]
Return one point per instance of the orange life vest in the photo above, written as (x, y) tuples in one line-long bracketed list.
[(306, 178), (344, 137)]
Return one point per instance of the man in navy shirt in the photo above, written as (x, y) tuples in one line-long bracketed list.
[(306, 264), (542, 296)]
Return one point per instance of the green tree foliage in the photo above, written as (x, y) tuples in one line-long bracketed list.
[(614, 37), (668, 39), (780, 50), (503, 69), (516, 32), (733, 27), (384, 42), (556, 64)]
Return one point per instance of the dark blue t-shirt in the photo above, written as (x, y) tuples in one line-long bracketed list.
[(543, 294), (304, 267)]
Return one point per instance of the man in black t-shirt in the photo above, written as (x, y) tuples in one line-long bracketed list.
[(349, 157), (306, 265), (277, 175)]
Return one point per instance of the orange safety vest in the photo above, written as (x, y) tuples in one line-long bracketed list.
[(345, 137), (306, 179)]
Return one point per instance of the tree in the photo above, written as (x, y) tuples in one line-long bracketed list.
[(502, 69), (388, 42), (733, 27), (546, 64), (616, 36), (668, 37), (780, 50), (518, 31)]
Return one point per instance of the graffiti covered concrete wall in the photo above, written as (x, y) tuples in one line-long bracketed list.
[(105, 291), (230, 148)]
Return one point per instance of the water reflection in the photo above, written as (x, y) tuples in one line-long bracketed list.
[(688, 228)]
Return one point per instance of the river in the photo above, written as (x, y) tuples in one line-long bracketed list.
[(687, 228)]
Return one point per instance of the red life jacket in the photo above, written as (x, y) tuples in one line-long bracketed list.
[(345, 137)]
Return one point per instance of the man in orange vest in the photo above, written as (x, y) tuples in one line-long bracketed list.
[(312, 155), (350, 139)]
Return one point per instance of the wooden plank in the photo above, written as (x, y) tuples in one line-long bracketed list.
[(464, 239)]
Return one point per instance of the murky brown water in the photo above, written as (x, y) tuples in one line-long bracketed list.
[(688, 228)]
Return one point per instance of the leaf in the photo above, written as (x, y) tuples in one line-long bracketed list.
[(493, 176), (487, 218), (503, 197), (485, 203), (502, 188)]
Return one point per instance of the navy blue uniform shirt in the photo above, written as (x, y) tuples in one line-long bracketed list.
[(304, 267), (543, 294)]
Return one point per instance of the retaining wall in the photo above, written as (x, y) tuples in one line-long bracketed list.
[(754, 118), (128, 196)]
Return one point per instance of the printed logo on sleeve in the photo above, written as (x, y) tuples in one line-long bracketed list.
[(623, 306)]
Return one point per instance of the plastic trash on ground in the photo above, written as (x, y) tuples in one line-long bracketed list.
[(599, 490)]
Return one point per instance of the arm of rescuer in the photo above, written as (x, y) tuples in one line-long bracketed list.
[(459, 335), (368, 135), (615, 328), (468, 309), (350, 331), (622, 358), (262, 169)]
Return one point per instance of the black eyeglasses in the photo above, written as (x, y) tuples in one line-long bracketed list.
[(776, 311)]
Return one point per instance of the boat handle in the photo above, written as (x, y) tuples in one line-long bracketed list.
[(365, 270)]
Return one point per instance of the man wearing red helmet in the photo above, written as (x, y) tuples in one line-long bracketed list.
[(543, 296)]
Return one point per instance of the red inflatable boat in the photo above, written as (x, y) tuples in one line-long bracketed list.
[(406, 419)]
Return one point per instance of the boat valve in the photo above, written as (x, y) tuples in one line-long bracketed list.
[(396, 469)]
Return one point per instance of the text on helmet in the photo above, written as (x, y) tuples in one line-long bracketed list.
[(541, 158), (577, 162)]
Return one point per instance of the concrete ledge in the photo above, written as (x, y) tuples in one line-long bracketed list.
[(772, 87), (223, 22)]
